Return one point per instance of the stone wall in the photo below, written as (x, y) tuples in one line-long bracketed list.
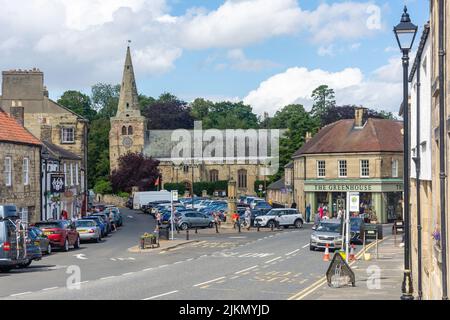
[(111, 199)]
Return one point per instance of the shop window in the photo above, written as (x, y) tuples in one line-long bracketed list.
[(321, 169), (365, 171), (342, 167), (214, 176), (242, 179)]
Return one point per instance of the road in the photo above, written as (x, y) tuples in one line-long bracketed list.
[(249, 266)]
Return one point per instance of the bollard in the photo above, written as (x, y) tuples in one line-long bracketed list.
[(196, 231), (239, 226), (187, 234)]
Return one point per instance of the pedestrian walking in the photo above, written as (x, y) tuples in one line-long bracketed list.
[(235, 217), (248, 218), (321, 212), (64, 215), (158, 218), (308, 213), (111, 219)]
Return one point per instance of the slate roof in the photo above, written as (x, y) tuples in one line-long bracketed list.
[(12, 131), (377, 135), (58, 152), (277, 185)]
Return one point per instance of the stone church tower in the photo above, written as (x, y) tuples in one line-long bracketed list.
[(128, 126)]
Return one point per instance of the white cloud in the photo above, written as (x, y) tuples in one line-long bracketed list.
[(380, 91), (326, 51), (239, 61)]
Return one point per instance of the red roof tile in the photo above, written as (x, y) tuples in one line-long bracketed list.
[(377, 135), (12, 131)]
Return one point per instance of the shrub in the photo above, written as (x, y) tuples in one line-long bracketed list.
[(103, 187)]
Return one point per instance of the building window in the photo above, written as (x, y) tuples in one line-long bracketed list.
[(242, 179), (130, 130), (214, 176), (25, 170), (365, 171), (71, 174), (65, 174), (321, 169), (77, 181), (68, 135), (124, 131), (8, 171), (395, 168), (342, 167), (185, 168)]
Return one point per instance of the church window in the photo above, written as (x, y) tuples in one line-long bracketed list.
[(124, 131), (214, 176), (128, 105), (242, 179), (130, 130)]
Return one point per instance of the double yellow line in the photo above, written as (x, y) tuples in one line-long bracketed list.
[(316, 285)]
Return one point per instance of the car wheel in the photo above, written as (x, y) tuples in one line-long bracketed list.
[(271, 224), (76, 245), (66, 245), (184, 226), (25, 265), (298, 224), (211, 225), (49, 249), (311, 248)]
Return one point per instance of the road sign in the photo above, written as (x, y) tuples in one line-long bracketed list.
[(354, 201), (339, 273), (175, 195)]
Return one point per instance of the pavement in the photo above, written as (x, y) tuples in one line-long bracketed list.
[(376, 279)]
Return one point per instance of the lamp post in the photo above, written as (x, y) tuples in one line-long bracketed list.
[(45, 156), (405, 33)]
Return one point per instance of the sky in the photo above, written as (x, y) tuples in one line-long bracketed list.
[(267, 53)]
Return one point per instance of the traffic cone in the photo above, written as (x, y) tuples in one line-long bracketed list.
[(326, 255), (352, 253)]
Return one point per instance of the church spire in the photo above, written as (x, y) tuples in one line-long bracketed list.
[(128, 101)]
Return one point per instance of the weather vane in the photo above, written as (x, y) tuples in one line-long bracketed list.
[(129, 42)]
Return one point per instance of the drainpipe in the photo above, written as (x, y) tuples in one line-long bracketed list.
[(442, 175), (417, 160)]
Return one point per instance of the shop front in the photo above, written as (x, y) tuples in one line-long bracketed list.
[(380, 198)]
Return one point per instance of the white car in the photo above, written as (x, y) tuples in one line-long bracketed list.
[(281, 217)]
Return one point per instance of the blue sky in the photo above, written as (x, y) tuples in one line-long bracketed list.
[(267, 53)]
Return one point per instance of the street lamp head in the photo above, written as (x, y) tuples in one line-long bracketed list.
[(405, 32)]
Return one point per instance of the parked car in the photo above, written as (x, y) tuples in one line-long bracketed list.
[(262, 206), (40, 239), (106, 219), (100, 223), (61, 233), (88, 230), (194, 219), (118, 220), (98, 207), (281, 217), (328, 232), (12, 239), (34, 253)]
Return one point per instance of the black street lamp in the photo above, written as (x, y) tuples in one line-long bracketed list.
[(45, 157), (405, 32)]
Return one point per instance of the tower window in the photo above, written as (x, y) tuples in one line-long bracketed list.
[(128, 105), (130, 130), (124, 131)]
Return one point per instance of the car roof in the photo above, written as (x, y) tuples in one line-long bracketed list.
[(331, 221)]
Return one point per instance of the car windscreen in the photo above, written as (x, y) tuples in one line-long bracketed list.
[(48, 225), (84, 224), (2, 230), (329, 227)]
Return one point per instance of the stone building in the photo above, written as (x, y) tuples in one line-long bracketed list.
[(281, 191), (25, 98), (129, 134), (427, 96), (352, 156), (20, 168)]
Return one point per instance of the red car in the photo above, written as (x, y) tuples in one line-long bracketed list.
[(61, 233)]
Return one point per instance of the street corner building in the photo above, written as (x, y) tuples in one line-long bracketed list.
[(130, 134), (20, 167), (352, 156), (63, 136)]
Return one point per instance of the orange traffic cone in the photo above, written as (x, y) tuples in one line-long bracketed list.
[(352, 253), (326, 255)]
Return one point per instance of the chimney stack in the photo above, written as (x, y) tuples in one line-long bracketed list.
[(359, 116), (17, 112), (308, 137)]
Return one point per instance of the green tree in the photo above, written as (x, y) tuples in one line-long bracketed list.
[(105, 98), (98, 150), (78, 103), (323, 98)]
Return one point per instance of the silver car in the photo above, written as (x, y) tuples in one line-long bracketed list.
[(193, 219), (328, 232), (88, 230)]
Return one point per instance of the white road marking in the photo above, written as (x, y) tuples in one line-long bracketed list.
[(246, 269), (275, 259), (295, 251), (106, 278), (20, 294), (148, 269), (305, 246), (48, 289), (128, 274), (178, 262), (161, 295), (80, 256), (190, 259), (80, 283), (203, 283), (163, 266), (131, 217), (237, 237)]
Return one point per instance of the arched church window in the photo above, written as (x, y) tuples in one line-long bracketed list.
[(242, 179), (130, 130), (213, 176), (124, 131)]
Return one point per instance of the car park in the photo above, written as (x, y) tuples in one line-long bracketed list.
[(88, 230), (281, 217), (61, 233), (328, 233), (37, 236)]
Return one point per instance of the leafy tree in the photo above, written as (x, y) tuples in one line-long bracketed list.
[(135, 170), (168, 113), (98, 150), (105, 98), (103, 187), (78, 103), (336, 113), (324, 98)]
